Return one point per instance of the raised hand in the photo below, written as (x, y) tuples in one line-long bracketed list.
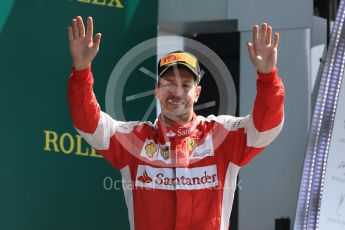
[(83, 47), (262, 53)]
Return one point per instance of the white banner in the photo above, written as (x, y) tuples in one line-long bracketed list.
[(177, 178)]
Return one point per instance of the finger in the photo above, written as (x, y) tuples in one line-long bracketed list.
[(75, 28), (276, 40), (97, 40), (89, 28), (263, 33), (70, 34), (251, 50), (81, 26), (255, 34), (269, 35)]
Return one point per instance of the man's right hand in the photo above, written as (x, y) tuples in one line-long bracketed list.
[(83, 47)]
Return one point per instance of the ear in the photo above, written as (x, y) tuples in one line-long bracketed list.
[(197, 93)]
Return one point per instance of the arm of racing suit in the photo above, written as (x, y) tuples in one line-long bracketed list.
[(106, 135), (249, 135)]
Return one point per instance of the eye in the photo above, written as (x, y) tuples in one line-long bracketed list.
[(166, 84), (169, 86)]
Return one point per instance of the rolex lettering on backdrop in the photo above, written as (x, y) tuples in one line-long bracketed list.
[(108, 3)]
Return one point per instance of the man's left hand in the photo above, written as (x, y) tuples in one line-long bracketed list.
[(262, 52)]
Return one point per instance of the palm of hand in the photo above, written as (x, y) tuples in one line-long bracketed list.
[(83, 47), (265, 59)]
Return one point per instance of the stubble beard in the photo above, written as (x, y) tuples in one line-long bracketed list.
[(178, 116)]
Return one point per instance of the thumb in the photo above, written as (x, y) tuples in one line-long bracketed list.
[(97, 40), (251, 50)]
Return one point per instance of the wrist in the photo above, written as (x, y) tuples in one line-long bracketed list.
[(267, 77), (268, 71), (81, 75), (81, 67)]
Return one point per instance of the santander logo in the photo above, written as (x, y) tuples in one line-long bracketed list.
[(171, 133), (182, 132), (145, 178), (177, 178)]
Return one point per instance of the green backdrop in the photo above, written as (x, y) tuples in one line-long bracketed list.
[(50, 179)]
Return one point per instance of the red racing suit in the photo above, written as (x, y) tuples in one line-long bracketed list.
[(178, 177)]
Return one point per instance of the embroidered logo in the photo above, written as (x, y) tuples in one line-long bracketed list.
[(171, 133), (191, 144), (203, 150), (145, 178), (150, 149), (183, 132), (177, 178), (203, 154), (165, 152)]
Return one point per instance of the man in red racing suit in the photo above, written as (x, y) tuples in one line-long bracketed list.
[(180, 176)]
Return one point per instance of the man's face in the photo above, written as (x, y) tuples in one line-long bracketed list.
[(177, 91)]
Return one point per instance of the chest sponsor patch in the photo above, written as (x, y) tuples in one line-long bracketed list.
[(149, 150), (164, 153), (153, 151), (177, 178), (203, 150)]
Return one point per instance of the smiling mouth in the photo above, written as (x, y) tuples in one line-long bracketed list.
[(174, 102)]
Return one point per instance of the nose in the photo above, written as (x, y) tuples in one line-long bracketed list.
[(179, 90), (176, 90)]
